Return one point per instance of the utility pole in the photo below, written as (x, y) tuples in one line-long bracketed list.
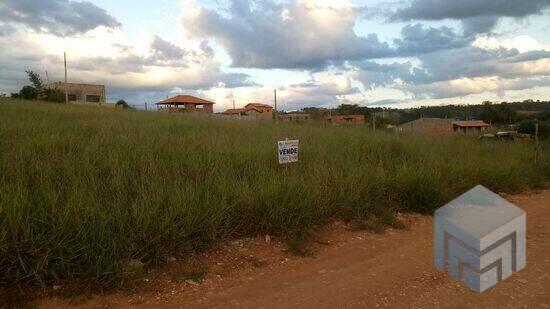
[(537, 144), (276, 112), (66, 90), (47, 77), (145, 106)]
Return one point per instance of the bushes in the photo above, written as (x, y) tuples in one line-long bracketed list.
[(86, 190), (28, 93), (528, 126)]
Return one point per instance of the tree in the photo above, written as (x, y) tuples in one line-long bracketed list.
[(35, 80), (28, 93), (123, 104)]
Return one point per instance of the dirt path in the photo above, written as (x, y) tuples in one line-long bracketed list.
[(350, 269)]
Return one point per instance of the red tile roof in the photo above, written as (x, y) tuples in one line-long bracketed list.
[(234, 111), (184, 99), (258, 105), (477, 123)]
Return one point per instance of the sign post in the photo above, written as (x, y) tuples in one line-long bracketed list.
[(288, 151)]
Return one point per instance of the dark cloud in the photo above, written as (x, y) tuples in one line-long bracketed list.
[(165, 50), (266, 34), (452, 9), (59, 17), (477, 16), (418, 39), (373, 74)]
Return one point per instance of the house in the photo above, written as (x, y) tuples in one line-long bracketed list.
[(186, 103), (350, 119), (294, 116), (252, 111), (81, 93), (472, 126), (441, 126), (428, 126)]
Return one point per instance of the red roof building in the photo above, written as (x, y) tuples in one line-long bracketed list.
[(252, 110), (187, 103), (469, 126)]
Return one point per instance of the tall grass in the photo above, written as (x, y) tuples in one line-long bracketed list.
[(85, 190)]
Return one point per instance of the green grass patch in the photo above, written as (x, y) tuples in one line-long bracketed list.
[(84, 190)]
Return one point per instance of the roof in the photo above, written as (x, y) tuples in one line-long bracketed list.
[(476, 123), (184, 99), (235, 111), (258, 105)]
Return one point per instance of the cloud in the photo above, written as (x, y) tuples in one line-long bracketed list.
[(418, 39), (458, 72), (468, 86), (125, 69), (323, 89), (294, 34), (476, 16), (165, 50), (451, 9), (59, 17)]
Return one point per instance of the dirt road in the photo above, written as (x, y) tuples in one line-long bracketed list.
[(350, 269)]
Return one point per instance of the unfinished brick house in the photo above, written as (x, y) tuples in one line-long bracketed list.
[(252, 111), (81, 93), (186, 103), (346, 119)]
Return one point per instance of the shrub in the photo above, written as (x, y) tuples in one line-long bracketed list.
[(28, 93), (54, 95), (528, 126)]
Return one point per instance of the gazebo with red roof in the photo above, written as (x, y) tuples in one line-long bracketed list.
[(187, 103)]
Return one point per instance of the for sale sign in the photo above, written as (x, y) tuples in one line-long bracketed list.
[(288, 151)]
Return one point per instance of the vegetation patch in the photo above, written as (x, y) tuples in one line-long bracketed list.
[(86, 192)]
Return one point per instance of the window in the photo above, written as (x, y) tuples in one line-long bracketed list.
[(93, 98), (72, 97)]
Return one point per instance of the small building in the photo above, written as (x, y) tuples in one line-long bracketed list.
[(350, 119), (252, 111), (428, 126), (186, 103), (472, 126), (295, 116), (81, 93)]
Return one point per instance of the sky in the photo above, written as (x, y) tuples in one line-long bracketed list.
[(316, 53)]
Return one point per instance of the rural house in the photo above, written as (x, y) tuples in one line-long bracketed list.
[(473, 126), (441, 126), (252, 111), (349, 119), (80, 93), (186, 103)]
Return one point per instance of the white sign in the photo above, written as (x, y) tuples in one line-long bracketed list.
[(288, 151)]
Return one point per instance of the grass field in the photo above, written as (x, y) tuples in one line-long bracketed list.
[(85, 190)]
